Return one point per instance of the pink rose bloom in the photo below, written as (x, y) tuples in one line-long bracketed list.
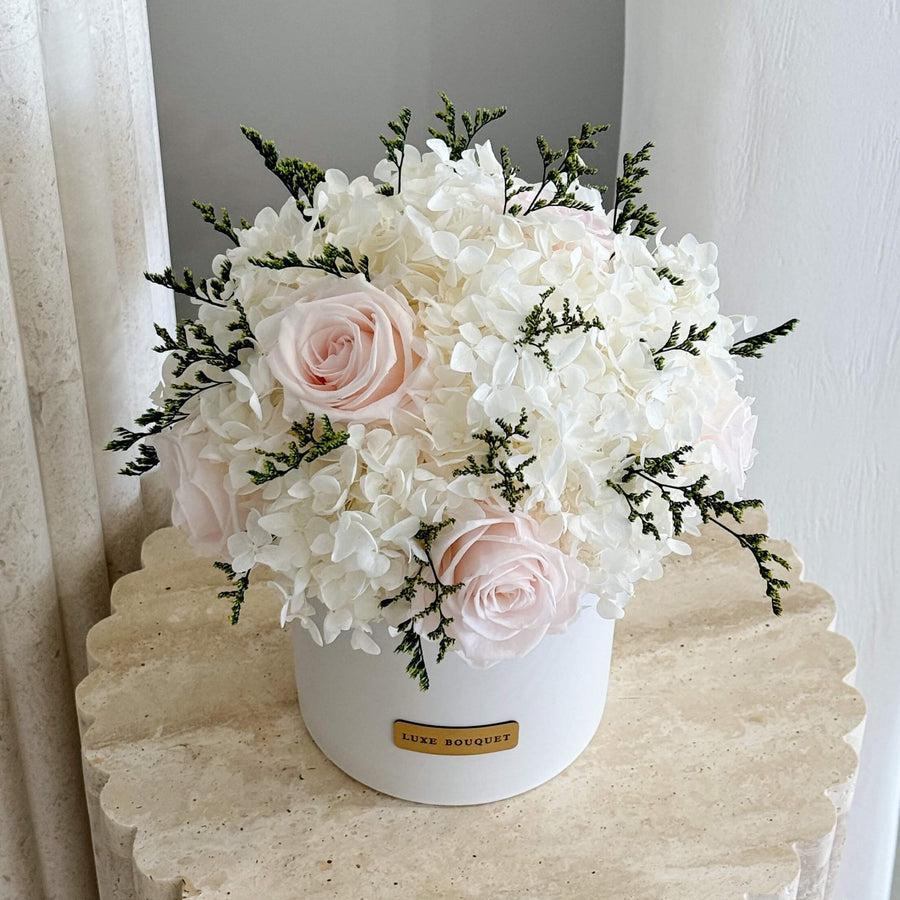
[(730, 430), (344, 349), (202, 505), (516, 588)]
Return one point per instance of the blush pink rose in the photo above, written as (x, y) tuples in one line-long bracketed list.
[(345, 349), (730, 430), (516, 588), (202, 505)]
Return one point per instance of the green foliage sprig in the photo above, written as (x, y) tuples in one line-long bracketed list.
[(695, 334), (299, 177), (147, 457), (396, 148), (542, 323), (511, 486), (215, 291), (635, 500), (193, 348), (628, 186), (711, 506), (411, 641), (240, 582), (306, 448), (458, 143), (333, 260), (223, 225), (565, 177), (674, 280), (751, 347), (510, 190), (193, 344), (155, 420)]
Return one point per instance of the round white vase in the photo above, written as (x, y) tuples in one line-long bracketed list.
[(476, 735)]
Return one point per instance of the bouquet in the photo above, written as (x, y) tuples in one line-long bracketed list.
[(451, 400)]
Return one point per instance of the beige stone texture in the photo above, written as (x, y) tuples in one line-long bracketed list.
[(724, 765), (81, 216)]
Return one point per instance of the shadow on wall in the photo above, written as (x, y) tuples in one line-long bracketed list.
[(324, 84)]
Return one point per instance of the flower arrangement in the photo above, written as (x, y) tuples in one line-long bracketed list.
[(452, 400)]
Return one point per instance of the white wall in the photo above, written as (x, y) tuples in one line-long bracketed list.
[(322, 79), (778, 136)]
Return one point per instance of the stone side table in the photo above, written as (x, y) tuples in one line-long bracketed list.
[(724, 766)]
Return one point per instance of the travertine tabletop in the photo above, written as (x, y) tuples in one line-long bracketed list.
[(723, 768)]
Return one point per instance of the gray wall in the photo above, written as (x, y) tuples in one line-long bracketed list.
[(322, 80)]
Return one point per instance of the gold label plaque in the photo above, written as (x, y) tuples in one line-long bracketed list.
[(444, 741)]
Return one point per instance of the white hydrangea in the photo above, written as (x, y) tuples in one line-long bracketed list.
[(338, 533)]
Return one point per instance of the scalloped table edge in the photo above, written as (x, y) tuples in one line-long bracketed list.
[(119, 869)]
